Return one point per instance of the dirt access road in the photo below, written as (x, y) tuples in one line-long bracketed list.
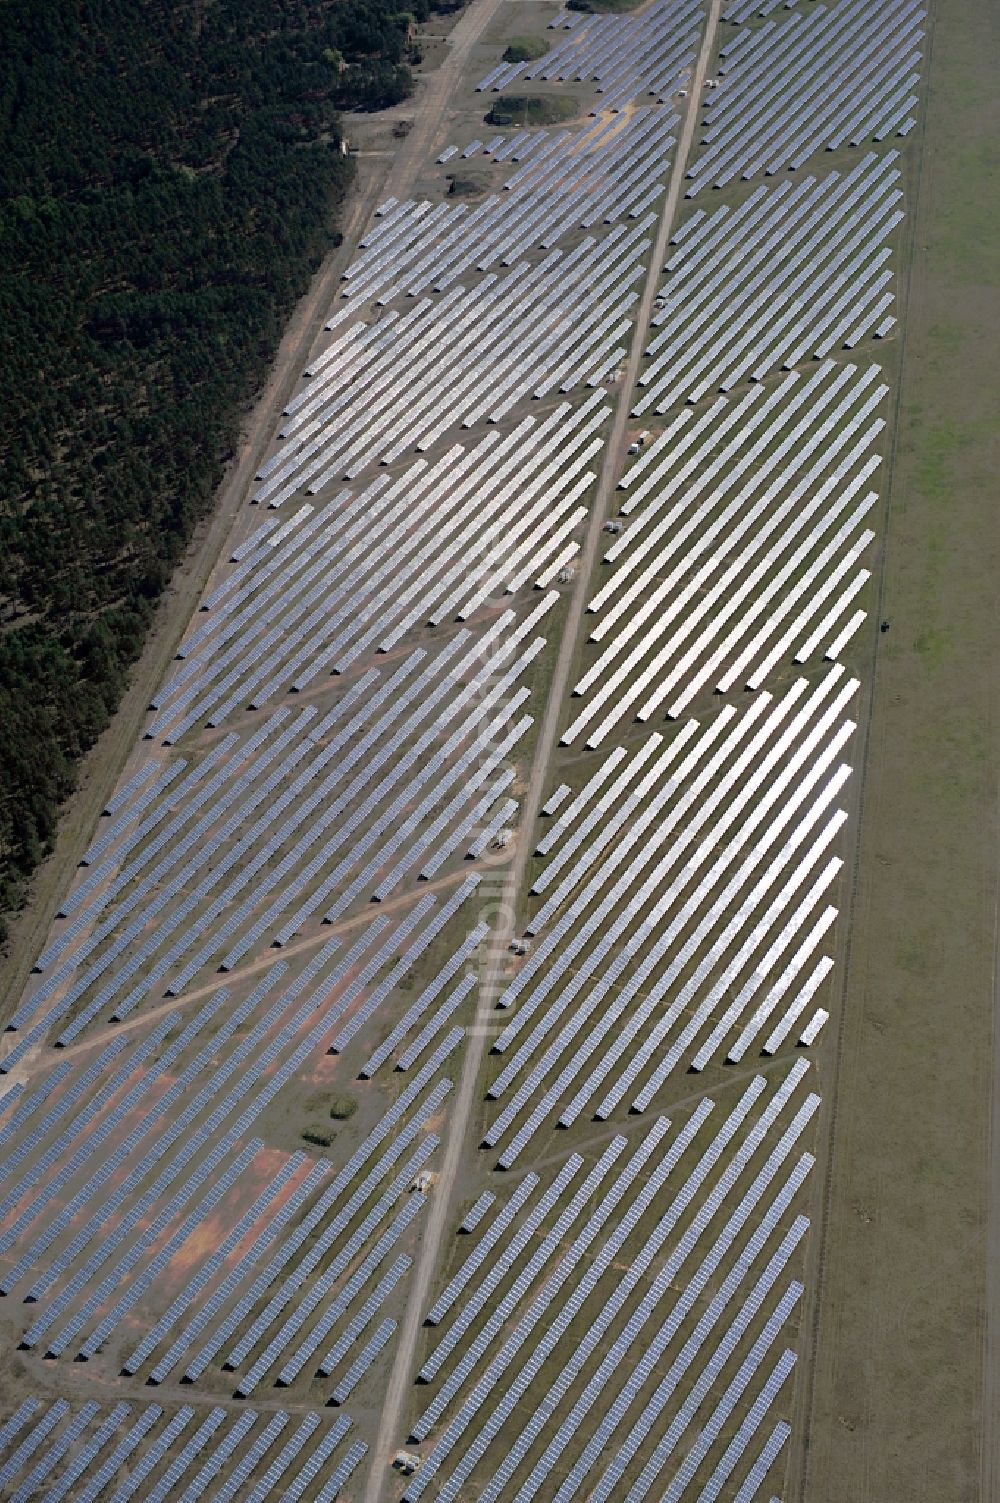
[(101, 769), (457, 1144)]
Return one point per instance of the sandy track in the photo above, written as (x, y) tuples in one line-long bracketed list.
[(432, 98), (460, 1120), (40, 1057)]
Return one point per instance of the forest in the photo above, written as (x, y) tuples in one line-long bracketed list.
[(170, 177)]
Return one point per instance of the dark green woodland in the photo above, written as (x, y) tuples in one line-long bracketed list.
[(170, 176)]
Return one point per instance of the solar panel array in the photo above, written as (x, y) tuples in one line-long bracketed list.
[(305, 817), (629, 57), (566, 180), (141, 1452), (683, 897), (109, 1212), (449, 317), (832, 76), (411, 556), (678, 914), (795, 272), (746, 529), (335, 775), (596, 1302)]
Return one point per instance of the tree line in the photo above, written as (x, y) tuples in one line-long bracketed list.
[(170, 177)]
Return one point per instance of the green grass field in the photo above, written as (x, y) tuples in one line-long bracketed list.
[(532, 109), (896, 1407)]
